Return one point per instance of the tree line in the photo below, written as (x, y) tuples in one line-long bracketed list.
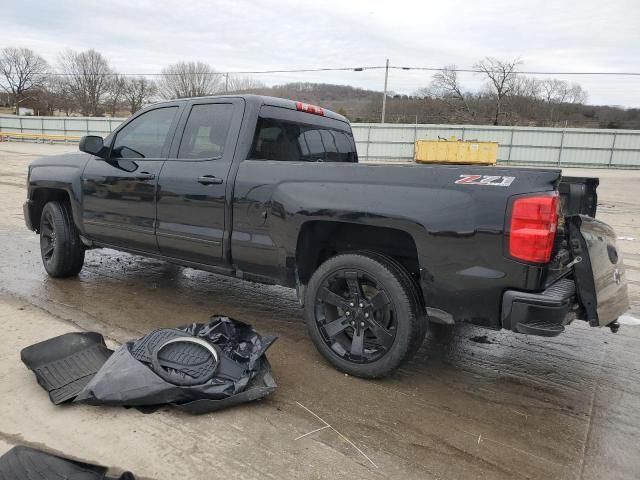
[(505, 97), (562, 105), (84, 82)]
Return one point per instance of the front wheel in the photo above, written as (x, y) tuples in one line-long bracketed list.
[(363, 315), (60, 245)]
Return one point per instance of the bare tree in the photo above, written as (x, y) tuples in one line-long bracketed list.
[(239, 84), (501, 76), (5, 99), (62, 96), (445, 85), (88, 76), (189, 79), (139, 91), (523, 101), (559, 91), (115, 93), (528, 87), (44, 101), (555, 92), (22, 70), (576, 94)]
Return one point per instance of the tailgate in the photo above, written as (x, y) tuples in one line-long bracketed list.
[(600, 277)]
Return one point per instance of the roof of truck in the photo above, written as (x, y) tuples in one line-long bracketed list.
[(264, 100)]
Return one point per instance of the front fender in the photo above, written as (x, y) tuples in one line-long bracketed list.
[(61, 173)]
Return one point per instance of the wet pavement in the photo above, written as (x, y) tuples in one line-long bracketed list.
[(472, 404)]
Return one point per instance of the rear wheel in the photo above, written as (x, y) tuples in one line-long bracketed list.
[(410, 286), (363, 315), (60, 245)]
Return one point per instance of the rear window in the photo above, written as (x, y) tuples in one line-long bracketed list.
[(288, 141)]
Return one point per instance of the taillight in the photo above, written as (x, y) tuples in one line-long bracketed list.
[(305, 107), (534, 221)]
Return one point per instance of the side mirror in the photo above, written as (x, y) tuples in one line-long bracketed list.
[(92, 144)]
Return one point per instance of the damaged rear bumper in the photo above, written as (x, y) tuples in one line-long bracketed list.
[(595, 291), (545, 313)]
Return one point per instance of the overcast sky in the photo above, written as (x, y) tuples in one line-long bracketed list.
[(236, 35)]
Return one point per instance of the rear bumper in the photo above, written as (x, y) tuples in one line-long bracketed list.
[(26, 209), (544, 314)]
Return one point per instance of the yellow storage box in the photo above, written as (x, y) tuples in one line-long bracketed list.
[(456, 151)]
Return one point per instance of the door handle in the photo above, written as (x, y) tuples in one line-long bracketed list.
[(209, 180), (145, 176)]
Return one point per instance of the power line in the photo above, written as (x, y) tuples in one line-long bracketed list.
[(246, 72), (346, 69), (519, 72)]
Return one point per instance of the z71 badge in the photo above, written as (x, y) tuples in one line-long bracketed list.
[(492, 180)]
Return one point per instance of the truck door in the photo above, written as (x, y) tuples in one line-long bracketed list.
[(192, 198), (119, 193)]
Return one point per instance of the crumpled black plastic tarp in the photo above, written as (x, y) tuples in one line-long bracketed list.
[(127, 377), (26, 463)]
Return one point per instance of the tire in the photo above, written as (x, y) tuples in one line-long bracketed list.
[(61, 249), (364, 314), (411, 286)]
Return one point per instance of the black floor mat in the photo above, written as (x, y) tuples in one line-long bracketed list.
[(188, 359), (25, 463), (64, 365), (184, 358)]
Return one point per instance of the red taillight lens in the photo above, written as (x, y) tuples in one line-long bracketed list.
[(305, 107), (534, 221)]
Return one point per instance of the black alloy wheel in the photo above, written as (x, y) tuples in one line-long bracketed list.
[(60, 245), (355, 316), (363, 314), (47, 236)]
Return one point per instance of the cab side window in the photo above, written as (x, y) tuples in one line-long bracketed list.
[(206, 131), (145, 136)]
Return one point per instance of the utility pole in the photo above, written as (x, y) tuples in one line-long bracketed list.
[(384, 95), (226, 82)]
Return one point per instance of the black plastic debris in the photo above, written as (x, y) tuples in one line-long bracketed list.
[(25, 463), (198, 368), (64, 365)]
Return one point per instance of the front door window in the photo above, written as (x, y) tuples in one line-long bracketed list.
[(145, 136)]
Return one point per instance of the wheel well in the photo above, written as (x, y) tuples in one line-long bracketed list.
[(41, 197), (320, 240)]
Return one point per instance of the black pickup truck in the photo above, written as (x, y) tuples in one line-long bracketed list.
[(271, 191)]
